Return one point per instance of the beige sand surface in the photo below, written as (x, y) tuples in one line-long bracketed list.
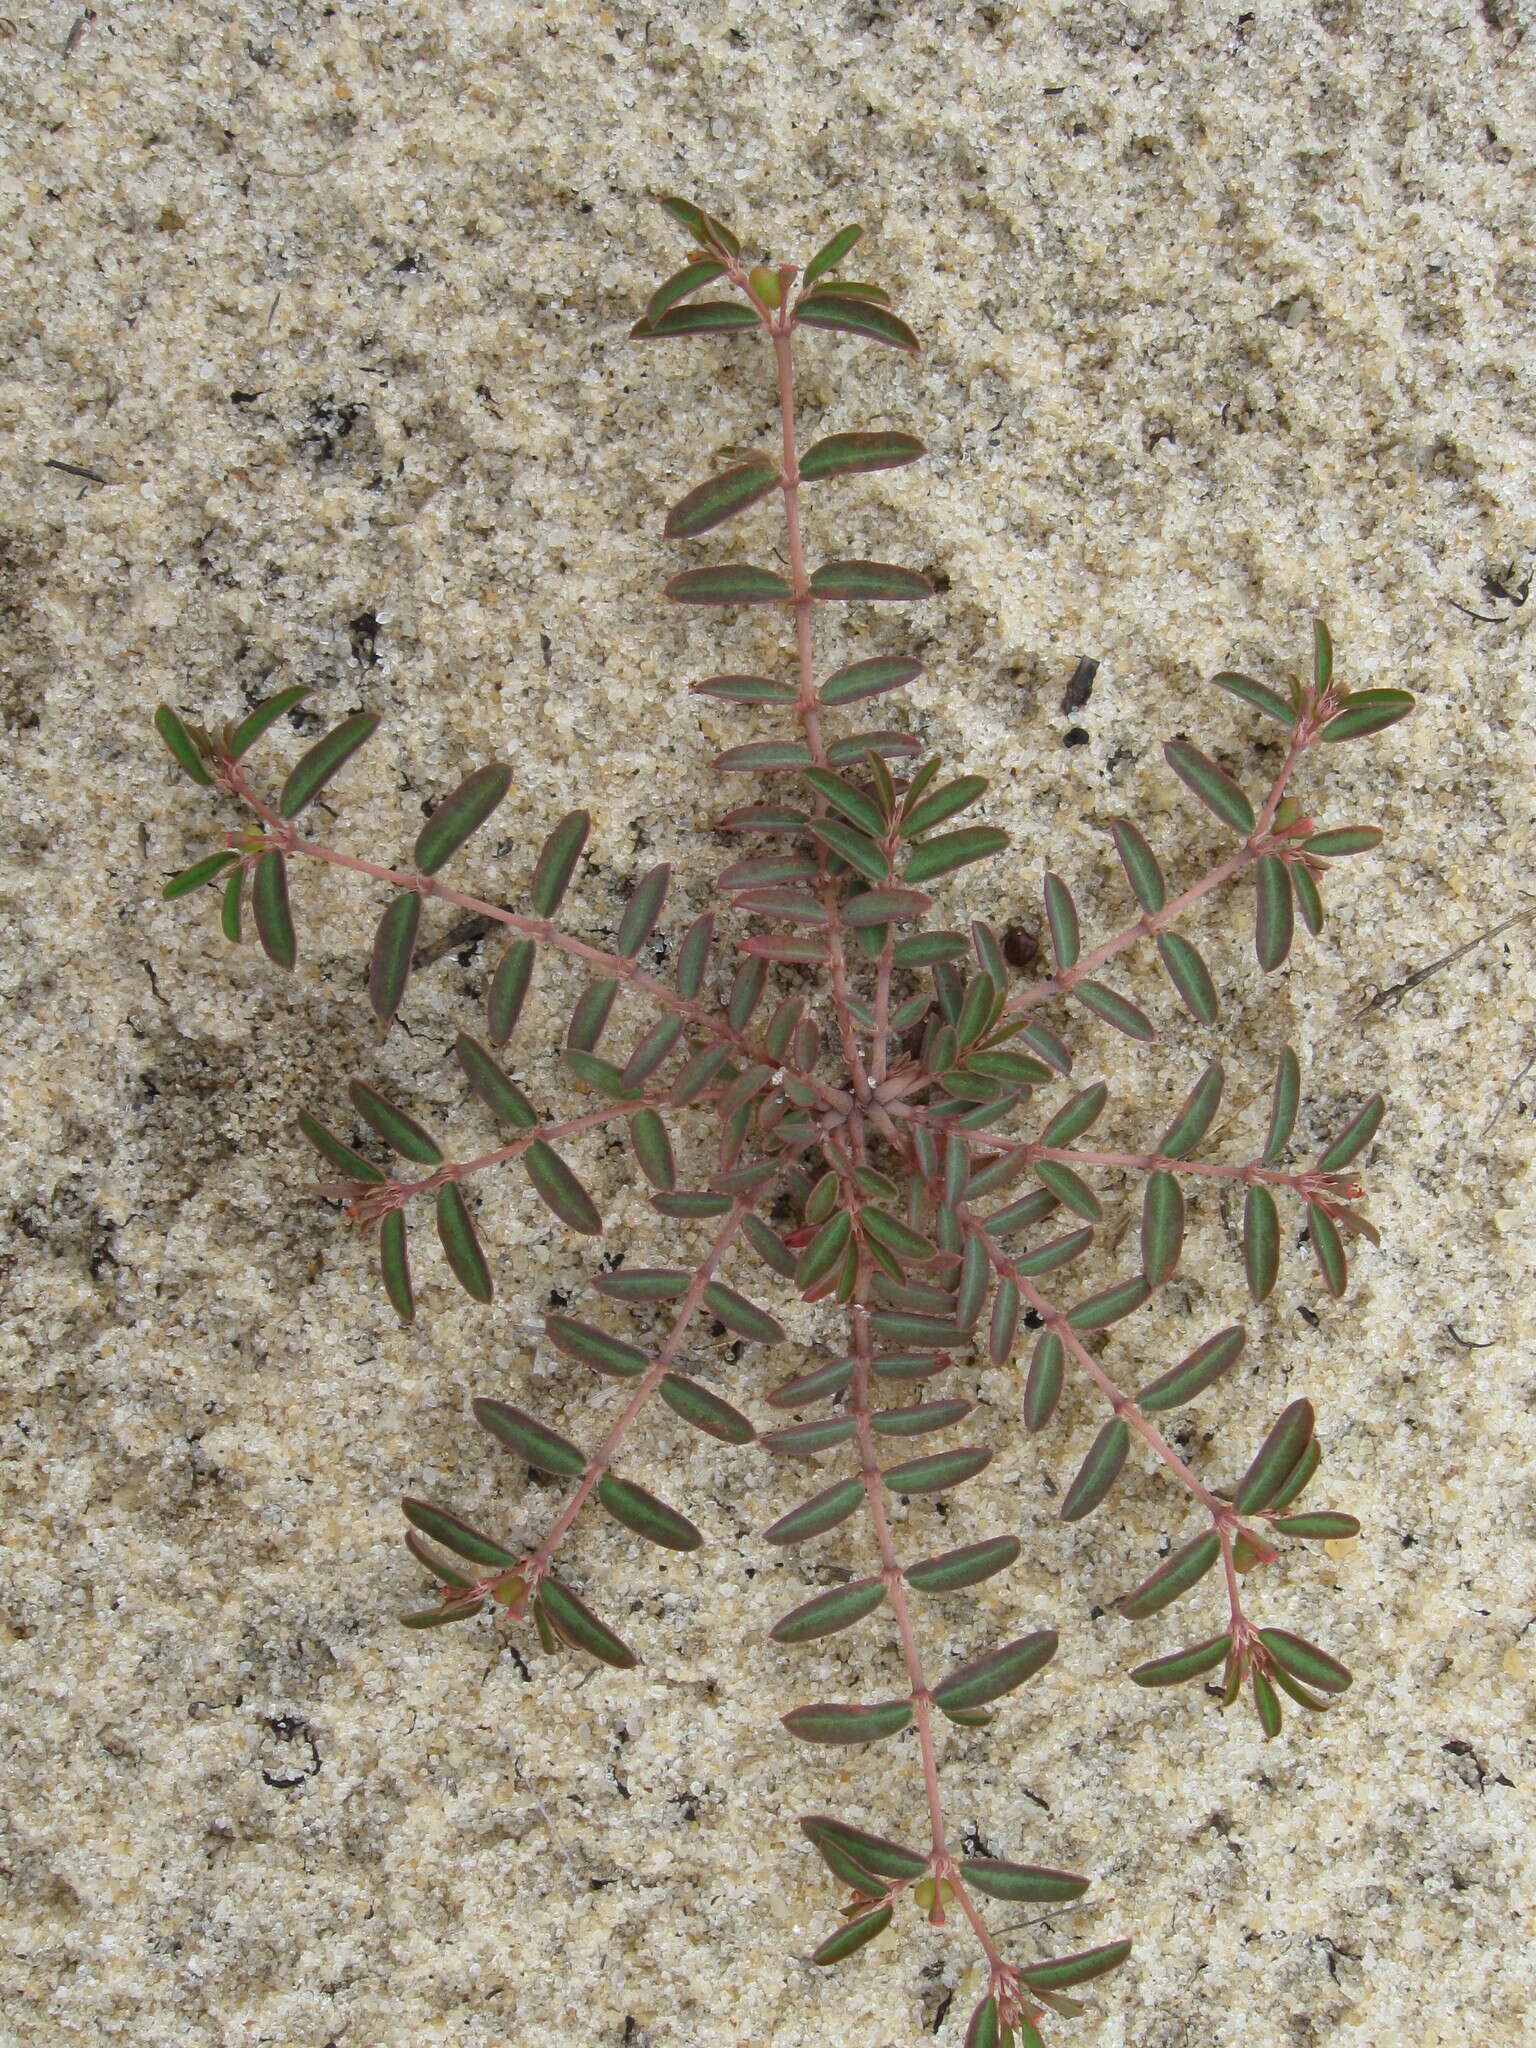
[(1228, 314)]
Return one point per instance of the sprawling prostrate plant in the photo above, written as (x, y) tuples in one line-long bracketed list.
[(884, 1116)]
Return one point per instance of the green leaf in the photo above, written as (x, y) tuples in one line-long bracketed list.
[(393, 944), (852, 1937), (269, 907), (194, 877), (844, 1725), (600, 1349), (858, 808), (1020, 1215), (1329, 1249), (1049, 1258), (1162, 1228), (680, 285), (1322, 656), (1173, 1578), (1300, 1477), (1284, 1104), (829, 255), (1004, 1328), (711, 503), (1110, 1305), (438, 1617), (1214, 787), (870, 1853), (240, 738), (580, 1627), (815, 1516), (896, 1236), (854, 750), (985, 2029), (838, 1608), (1066, 1186), (1305, 1661), (1259, 695), (1309, 899), (1354, 1137), (954, 850), (642, 910), (1203, 1367), (184, 750), (1183, 1664), (1276, 1459), (500, 1094), (693, 956), (968, 1566), (1115, 1009), (939, 1471), (988, 1678), (809, 1439), (335, 1153), (1140, 864), (1077, 1116), (1190, 977), (400, 1132), (642, 1283), (701, 225), (745, 690), (1061, 916), (840, 454), (1321, 1526), (729, 583), (1272, 912), (652, 1149), (559, 1189), (456, 1231), (508, 990), (857, 316), (557, 862), (460, 814), (742, 1317), (1088, 1963), (1368, 711), (1261, 1241), (1024, 1884), (542, 1447), (1098, 1471), (921, 1420), (1266, 1703), (229, 913), (704, 316), (394, 1265), (885, 906), (462, 1538), (651, 1051), (917, 1332), (880, 582), (824, 1251), (647, 1516), (869, 678), (705, 1410), (819, 1385), (1346, 839), (324, 759), (861, 853), (1196, 1114), (944, 803)]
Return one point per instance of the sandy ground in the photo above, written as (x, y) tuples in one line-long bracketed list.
[(315, 371)]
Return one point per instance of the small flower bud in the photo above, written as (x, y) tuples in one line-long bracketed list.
[(765, 283)]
